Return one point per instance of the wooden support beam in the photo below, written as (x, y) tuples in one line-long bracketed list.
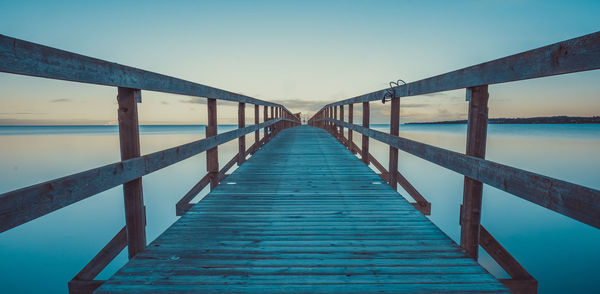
[(342, 136), (512, 267), (183, 205), (242, 139), (521, 286), (256, 121), (104, 257), (472, 194), (84, 287), (394, 131), (365, 139), (421, 203), (335, 127), (23, 205), (272, 129), (351, 121), (265, 119), (129, 138), (212, 155)]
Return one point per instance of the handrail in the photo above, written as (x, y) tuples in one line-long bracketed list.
[(23, 205), (574, 55), (26, 204), (572, 200), (31, 59)]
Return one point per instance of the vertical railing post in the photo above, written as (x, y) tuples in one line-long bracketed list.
[(266, 118), (365, 139), (272, 117), (342, 137), (472, 192), (335, 128), (129, 138), (350, 121), (242, 139), (394, 131), (212, 155), (256, 121)]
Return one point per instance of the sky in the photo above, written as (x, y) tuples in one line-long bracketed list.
[(303, 54)]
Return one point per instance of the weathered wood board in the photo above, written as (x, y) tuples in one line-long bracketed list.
[(303, 215)]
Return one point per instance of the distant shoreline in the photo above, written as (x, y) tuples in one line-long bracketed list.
[(529, 120)]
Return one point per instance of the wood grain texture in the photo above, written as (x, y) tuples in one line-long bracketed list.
[(31, 59), (572, 200), (104, 257), (574, 55), (473, 189), (303, 215), (129, 139), (20, 206), (366, 115)]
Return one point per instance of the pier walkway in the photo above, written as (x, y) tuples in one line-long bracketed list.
[(303, 215)]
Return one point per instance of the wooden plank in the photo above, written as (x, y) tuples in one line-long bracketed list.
[(351, 121), (512, 267), (472, 195), (26, 58), (129, 139), (365, 139), (242, 139), (342, 138), (572, 200), (84, 287), (521, 286), (212, 155), (336, 132), (256, 121), (274, 221), (104, 257), (574, 55), (266, 118), (22, 205), (394, 131)]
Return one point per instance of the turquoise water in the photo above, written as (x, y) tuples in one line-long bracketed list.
[(561, 253)]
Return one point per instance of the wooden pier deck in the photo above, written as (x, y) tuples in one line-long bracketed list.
[(303, 215)]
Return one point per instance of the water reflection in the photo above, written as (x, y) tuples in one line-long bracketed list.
[(558, 251)]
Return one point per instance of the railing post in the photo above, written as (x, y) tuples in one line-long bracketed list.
[(272, 117), (212, 155), (394, 131), (350, 121), (365, 139), (472, 193), (256, 121), (242, 139), (341, 127), (335, 126), (129, 137), (266, 118)]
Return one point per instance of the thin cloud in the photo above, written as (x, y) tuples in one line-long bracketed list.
[(60, 100)]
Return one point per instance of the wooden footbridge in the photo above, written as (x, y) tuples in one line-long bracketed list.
[(304, 211)]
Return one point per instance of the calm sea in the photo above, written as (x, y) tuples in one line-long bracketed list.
[(561, 253)]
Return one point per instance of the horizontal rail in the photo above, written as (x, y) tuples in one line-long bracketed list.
[(574, 55), (31, 59), (26, 204), (572, 200)]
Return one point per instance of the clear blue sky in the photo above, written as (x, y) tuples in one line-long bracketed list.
[(303, 53)]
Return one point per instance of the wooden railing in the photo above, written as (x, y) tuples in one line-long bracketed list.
[(26, 204), (572, 200)]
